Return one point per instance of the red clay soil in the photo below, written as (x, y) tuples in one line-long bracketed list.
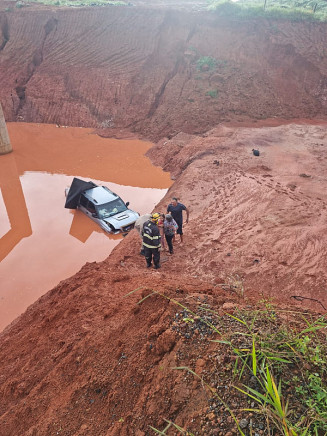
[(143, 69), (86, 359)]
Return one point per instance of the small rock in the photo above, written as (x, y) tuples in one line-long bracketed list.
[(228, 306), (243, 423)]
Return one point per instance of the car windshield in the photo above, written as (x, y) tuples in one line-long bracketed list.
[(109, 209)]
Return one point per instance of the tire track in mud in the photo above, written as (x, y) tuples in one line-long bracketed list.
[(36, 61)]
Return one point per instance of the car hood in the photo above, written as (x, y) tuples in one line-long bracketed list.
[(122, 219)]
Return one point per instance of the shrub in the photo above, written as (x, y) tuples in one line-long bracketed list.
[(213, 93), (206, 62)]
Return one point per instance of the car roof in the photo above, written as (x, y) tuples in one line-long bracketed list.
[(100, 195)]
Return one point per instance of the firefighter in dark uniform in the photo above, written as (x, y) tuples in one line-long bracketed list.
[(152, 241)]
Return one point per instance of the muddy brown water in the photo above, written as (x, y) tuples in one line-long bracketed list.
[(41, 242)]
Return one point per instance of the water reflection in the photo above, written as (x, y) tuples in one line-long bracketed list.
[(33, 180), (13, 206)]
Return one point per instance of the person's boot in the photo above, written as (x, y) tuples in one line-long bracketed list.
[(148, 265), (157, 266)]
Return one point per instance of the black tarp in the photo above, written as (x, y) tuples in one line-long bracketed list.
[(75, 190)]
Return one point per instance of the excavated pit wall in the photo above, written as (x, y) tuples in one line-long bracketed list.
[(137, 69)]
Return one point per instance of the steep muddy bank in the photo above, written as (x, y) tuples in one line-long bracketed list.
[(87, 359), (35, 229), (142, 69)]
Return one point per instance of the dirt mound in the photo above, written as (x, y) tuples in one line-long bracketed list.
[(157, 71)]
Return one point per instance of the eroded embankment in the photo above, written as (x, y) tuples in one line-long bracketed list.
[(87, 359), (143, 69)]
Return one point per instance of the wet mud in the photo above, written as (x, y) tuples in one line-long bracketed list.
[(153, 79), (94, 355), (42, 243)]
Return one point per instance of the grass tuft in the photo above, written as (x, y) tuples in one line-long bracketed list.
[(290, 10), (280, 368)]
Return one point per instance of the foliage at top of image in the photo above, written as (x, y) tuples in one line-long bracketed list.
[(79, 2), (289, 10)]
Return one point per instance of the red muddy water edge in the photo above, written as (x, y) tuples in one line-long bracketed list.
[(42, 243)]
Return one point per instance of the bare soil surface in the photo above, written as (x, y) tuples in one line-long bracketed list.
[(143, 69), (86, 359)]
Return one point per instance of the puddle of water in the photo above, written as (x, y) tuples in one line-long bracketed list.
[(41, 242)]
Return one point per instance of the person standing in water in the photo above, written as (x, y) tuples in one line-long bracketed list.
[(176, 210)]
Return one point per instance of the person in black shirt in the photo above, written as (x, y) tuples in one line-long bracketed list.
[(176, 210)]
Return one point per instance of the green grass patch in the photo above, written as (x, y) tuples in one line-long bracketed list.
[(206, 63), (213, 93), (81, 3), (274, 9), (278, 368)]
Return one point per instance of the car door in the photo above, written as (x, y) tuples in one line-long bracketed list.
[(87, 207)]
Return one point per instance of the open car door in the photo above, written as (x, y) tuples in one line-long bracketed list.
[(75, 190)]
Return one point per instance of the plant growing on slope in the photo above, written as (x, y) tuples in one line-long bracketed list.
[(206, 63), (213, 93), (275, 9), (265, 350)]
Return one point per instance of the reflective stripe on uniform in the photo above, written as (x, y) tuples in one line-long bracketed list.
[(151, 246), (151, 237)]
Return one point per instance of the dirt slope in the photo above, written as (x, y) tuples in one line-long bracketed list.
[(259, 218), (87, 360), (136, 68)]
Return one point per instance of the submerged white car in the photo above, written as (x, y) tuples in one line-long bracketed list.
[(102, 205)]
